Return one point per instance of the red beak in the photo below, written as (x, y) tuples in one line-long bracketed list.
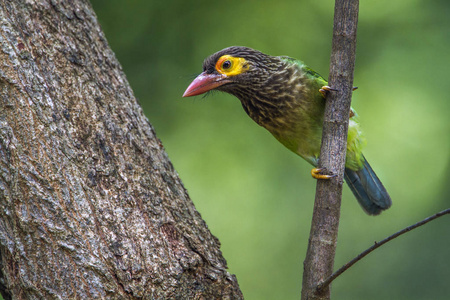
[(205, 82)]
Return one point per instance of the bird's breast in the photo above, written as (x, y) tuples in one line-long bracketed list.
[(294, 119)]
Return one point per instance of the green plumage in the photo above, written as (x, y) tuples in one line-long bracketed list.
[(282, 95)]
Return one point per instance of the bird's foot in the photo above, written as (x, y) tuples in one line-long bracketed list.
[(352, 113), (317, 173), (325, 89)]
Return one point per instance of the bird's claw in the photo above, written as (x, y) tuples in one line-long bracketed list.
[(352, 113), (317, 173), (325, 89)]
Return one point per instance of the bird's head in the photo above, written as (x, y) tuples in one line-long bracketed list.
[(234, 70)]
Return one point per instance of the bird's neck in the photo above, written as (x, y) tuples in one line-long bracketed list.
[(281, 97)]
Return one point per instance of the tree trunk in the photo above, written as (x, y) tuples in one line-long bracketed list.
[(91, 205)]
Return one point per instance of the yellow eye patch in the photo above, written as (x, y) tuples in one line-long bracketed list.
[(230, 65)]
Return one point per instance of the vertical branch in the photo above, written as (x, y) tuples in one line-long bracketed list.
[(319, 260)]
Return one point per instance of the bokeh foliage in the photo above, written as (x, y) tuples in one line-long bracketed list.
[(255, 195)]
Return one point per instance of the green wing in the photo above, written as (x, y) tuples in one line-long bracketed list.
[(309, 72)]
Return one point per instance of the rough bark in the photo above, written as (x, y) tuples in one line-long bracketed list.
[(318, 264), (91, 206)]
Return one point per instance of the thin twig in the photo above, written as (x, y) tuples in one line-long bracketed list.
[(326, 282)]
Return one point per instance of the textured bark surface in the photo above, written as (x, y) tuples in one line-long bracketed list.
[(91, 206), (319, 261)]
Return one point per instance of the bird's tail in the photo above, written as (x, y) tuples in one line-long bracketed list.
[(368, 189)]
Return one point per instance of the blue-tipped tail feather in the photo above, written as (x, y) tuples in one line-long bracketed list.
[(368, 189)]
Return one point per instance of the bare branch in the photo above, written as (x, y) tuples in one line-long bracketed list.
[(324, 228), (376, 245)]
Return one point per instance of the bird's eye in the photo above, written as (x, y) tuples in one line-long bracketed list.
[(226, 65), (230, 66)]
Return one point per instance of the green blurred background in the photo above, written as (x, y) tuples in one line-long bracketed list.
[(255, 195)]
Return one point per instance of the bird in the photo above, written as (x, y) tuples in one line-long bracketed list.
[(287, 98)]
